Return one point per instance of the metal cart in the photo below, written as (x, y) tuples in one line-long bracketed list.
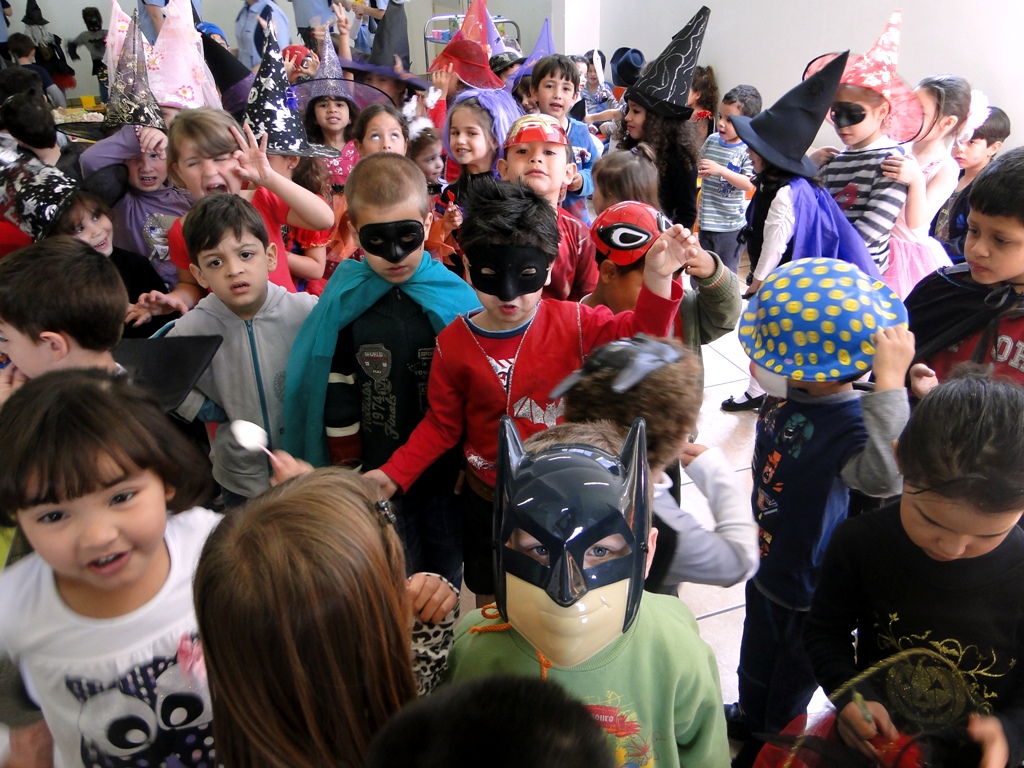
[(439, 30)]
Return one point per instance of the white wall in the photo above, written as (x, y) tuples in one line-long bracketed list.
[(763, 43), (767, 44)]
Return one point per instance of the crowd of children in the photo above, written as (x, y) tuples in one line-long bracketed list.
[(393, 337)]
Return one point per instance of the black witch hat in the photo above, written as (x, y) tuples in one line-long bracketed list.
[(33, 15), (232, 78), (783, 132), (274, 108), (131, 100), (664, 85)]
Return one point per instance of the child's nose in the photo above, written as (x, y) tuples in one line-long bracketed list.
[(97, 533), (953, 546)]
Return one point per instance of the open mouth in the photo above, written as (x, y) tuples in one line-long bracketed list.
[(147, 180), (108, 563), (215, 188), (239, 287)]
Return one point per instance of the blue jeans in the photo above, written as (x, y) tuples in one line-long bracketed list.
[(775, 678), (430, 525)]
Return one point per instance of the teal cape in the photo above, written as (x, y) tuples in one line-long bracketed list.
[(351, 291)]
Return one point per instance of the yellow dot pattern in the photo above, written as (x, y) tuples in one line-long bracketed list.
[(815, 320)]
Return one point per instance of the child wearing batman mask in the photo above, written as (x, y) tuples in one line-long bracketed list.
[(356, 385), (505, 359), (574, 543)]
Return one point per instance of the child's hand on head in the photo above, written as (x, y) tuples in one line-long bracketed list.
[(987, 732), (903, 168), (431, 597), (286, 467), (857, 732), (253, 165), (388, 487), (922, 380), (153, 140), (11, 379), (670, 251), (154, 304), (894, 353)]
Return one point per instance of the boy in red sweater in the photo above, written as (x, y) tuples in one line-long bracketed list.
[(506, 358), (538, 154)]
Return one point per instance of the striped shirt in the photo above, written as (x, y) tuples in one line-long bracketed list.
[(870, 201), (723, 206)]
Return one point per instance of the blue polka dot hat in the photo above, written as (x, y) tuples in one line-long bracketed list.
[(813, 319)]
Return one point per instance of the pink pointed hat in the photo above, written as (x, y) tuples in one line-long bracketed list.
[(876, 70), (177, 68)]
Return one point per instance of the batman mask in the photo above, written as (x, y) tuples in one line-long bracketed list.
[(572, 525)]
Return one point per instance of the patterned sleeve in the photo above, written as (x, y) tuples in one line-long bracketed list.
[(431, 644)]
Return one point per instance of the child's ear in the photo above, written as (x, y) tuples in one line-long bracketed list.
[(550, 266), (994, 147), (197, 273), (895, 445), (607, 271), (271, 257), (57, 344), (652, 541), (570, 172), (503, 169)]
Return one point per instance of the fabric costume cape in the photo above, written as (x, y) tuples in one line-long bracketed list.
[(351, 291), (948, 306), (822, 229)]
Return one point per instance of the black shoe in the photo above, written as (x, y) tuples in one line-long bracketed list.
[(745, 403), (734, 725)]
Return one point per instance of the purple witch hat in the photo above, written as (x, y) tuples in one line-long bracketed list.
[(274, 108), (545, 46), (330, 80)]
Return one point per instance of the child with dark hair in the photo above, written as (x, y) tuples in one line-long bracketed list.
[(657, 112), (939, 572), (28, 118), (661, 382), (232, 257), (726, 169), (972, 153), (555, 86), (62, 305), (87, 218), (817, 437), (358, 372), (507, 358), (23, 50), (535, 722), (620, 177), (972, 311), (99, 617), (597, 94)]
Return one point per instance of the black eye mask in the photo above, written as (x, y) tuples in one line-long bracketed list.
[(392, 240), (506, 265), (847, 113)]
